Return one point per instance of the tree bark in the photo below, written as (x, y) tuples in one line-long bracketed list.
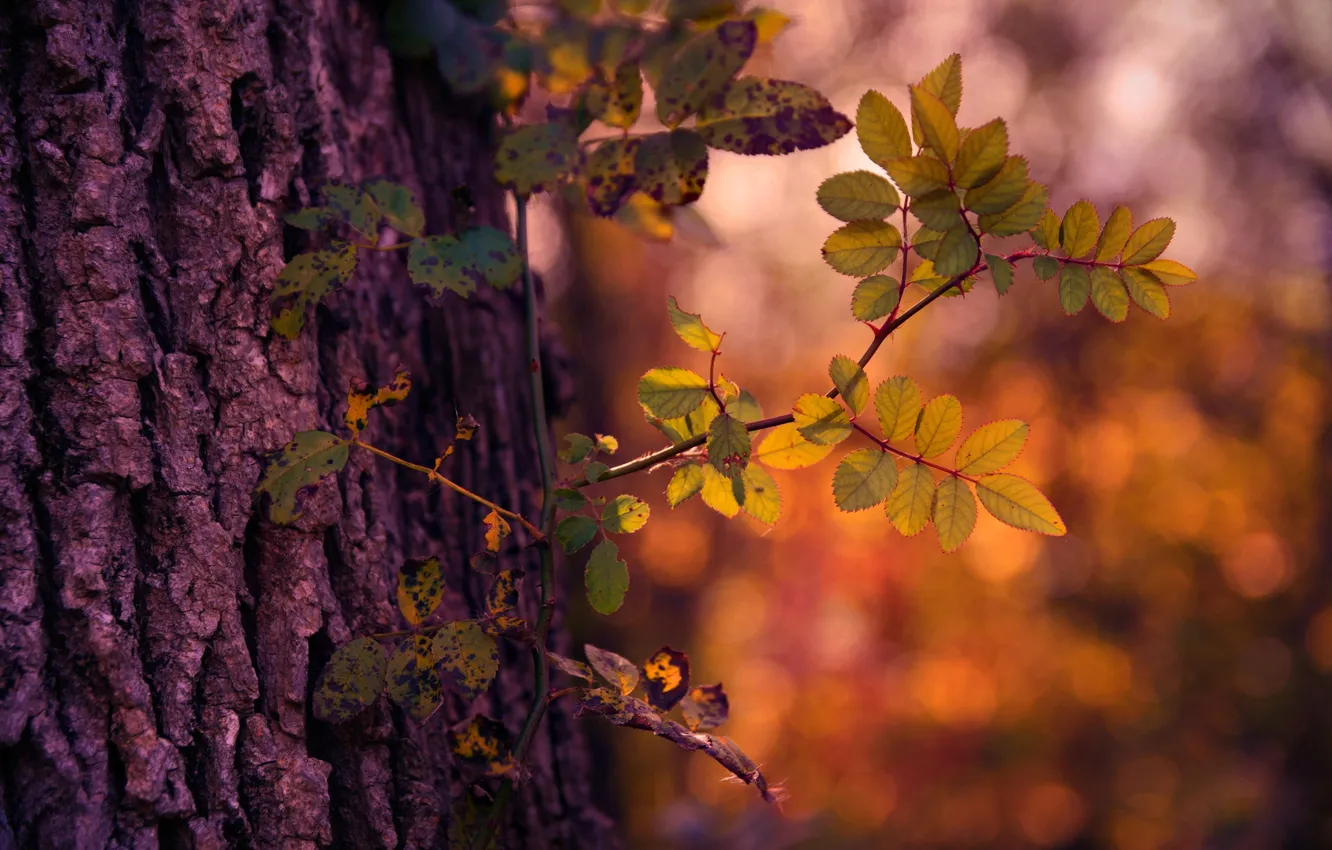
[(159, 639)]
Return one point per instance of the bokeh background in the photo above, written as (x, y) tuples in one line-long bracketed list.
[(1161, 677)]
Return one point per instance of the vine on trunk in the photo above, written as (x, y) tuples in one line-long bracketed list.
[(962, 185)]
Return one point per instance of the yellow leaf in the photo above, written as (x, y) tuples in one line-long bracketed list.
[(686, 481), (720, 492), (857, 195), (763, 500), (875, 297), (821, 420), (625, 515), (882, 130), (862, 248), (954, 513), (1001, 191), (1077, 234), (1148, 241), (897, 401), (911, 501), (863, 479), (468, 656), (940, 421), (982, 154), (1016, 501), (784, 448), (497, 528), (851, 382), (359, 400), (671, 392), (991, 447), (420, 589), (1146, 291), (1108, 294), (690, 328), (937, 125), (1118, 228), (944, 81), (1170, 272), (413, 681)]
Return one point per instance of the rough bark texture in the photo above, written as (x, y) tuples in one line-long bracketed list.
[(158, 639)]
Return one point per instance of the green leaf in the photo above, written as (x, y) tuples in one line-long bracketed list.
[(671, 392), (937, 125), (784, 448), (863, 479), (770, 117), (856, 195), (686, 481), (593, 471), (413, 681), (619, 103), (1001, 271), (610, 175), (352, 205), (702, 69), (360, 400), (925, 241), (616, 669), (1019, 218), (982, 154), (625, 515), (352, 679), (1148, 241), (575, 532), (294, 475), (1077, 234), (763, 499), (728, 445), (912, 500), (862, 247), (1001, 191), (918, 175), (720, 493), (957, 252), (1046, 233), (954, 513), (672, 167), (938, 210), (882, 130), (938, 426), (851, 382), (420, 589), (745, 407), (897, 401), (1115, 235), (536, 157), (705, 707), (944, 81), (875, 297), (1146, 291), (580, 446), (991, 447), (607, 579), (310, 218), (1015, 501), (1074, 288), (1108, 294), (305, 281), (1170, 272), (666, 678), (494, 254), (821, 420), (1045, 267), (690, 328), (399, 206), (469, 657), (443, 262)]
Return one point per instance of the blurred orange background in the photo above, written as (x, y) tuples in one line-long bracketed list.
[(1159, 678)]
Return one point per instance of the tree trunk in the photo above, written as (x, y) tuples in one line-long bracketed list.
[(159, 640)]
